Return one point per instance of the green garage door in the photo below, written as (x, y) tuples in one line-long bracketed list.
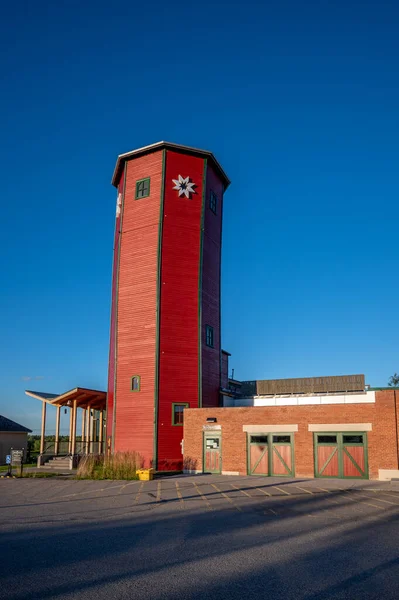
[(341, 454), (270, 454)]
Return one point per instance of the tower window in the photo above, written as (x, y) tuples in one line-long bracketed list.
[(142, 188), (213, 202), (209, 336), (135, 383), (177, 412)]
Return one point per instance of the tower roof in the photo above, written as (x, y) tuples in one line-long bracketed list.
[(122, 158)]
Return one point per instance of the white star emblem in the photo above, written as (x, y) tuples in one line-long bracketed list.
[(118, 205), (184, 186)]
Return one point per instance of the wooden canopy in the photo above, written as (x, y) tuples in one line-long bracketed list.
[(84, 397)]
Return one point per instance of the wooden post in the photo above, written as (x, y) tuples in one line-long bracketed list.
[(100, 432), (57, 430), (88, 429), (74, 410), (83, 429), (43, 432), (70, 432)]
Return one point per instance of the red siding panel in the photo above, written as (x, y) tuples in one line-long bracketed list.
[(212, 241), (137, 304), (111, 362), (178, 357)]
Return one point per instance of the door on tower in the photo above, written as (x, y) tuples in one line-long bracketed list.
[(212, 453), (270, 454), (341, 454)]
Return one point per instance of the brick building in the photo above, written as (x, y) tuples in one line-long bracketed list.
[(350, 433)]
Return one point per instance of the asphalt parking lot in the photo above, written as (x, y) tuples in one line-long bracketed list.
[(199, 537)]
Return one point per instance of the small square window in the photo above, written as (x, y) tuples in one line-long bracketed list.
[(209, 336), (136, 383), (142, 188), (177, 413), (213, 202)]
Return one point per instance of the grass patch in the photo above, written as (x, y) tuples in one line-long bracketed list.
[(5, 467), (121, 465), (39, 475)]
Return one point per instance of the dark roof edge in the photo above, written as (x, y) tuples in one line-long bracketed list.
[(168, 146), (12, 426)]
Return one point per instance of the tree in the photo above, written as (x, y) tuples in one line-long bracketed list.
[(394, 380)]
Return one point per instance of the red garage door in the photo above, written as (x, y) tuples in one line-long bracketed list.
[(341, 454)]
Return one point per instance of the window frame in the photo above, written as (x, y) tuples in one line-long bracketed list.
[(143, 180), (209, 335), (213, 202), (174, 404), (138, 377)]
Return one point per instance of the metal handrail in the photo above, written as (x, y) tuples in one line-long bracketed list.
[(81, 447)]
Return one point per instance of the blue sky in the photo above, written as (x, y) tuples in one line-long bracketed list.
[(299, 102)]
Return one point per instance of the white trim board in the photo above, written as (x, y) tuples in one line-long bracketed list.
[(341, 427), (270, 428)]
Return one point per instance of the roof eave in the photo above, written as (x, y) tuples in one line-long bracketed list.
[(171, 146)]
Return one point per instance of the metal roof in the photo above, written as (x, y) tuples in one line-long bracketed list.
[(8, 425), (83, 397), (122, 158), (41, 395)]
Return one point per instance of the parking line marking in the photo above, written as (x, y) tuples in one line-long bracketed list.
[(304, 490), (93, 491), (263, 491), (138, 493), (179, 495), (205, 499), (391, 495), (324, 490), (159, 492), (272, 511), (225, 496), (126, 484), (281, 490), (240, 490), (368, 503), (378, 499)]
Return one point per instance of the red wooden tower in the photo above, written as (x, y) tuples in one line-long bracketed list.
[(165, 351)]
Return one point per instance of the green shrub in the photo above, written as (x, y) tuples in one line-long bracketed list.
[(121, 465)]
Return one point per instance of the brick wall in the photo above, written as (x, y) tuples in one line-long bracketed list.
[(382, 440)]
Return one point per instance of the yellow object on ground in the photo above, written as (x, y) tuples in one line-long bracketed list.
[(145, 474)]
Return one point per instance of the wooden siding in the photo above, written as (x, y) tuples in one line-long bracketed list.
[(178, 343), (210, 293), (281, 460), (111, 360), (324, 454), (357, 454), (137, 305), (305, 385), (225, 370)]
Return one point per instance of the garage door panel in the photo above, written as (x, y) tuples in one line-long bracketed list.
[(341, 454), (259, 460), (282, 461), (328, 464), (353, 461)]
